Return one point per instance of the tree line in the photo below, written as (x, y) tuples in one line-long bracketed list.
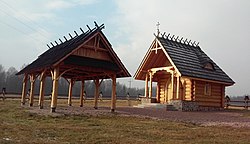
[(13, 84)]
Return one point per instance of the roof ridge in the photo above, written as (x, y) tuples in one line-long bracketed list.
[(177, 39), (97, 27)]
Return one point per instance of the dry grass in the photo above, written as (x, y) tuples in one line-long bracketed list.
[(20, 126)]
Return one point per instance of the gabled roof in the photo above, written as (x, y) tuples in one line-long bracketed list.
[(191, 61), (62, 52)]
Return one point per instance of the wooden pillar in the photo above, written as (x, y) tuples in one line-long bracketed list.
[(32, 86), (41, 94), (172, 85), (150, 85), (71, 84), (82, 93), (146, 86), (96, 93), (158, 92), (25, 78), (113, 98), (55, 89), (178, 88)]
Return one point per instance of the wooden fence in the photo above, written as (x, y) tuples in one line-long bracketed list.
[(238, 103)]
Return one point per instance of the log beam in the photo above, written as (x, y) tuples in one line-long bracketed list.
[(25, 78), (113, 97), (82, 94), (55, 89)]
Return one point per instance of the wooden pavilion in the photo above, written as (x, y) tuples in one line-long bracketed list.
[(88, 56), (183, 72)]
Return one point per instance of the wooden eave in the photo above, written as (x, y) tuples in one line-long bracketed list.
[(211, 81)]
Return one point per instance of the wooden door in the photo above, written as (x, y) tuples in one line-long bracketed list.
[(163, 90)]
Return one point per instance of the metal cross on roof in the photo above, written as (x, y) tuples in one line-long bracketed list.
[(158, 28)]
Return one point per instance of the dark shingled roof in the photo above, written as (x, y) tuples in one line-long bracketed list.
[(57, 52), (190, 60)]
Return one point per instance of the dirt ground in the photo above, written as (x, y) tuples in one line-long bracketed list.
[(232, 118)]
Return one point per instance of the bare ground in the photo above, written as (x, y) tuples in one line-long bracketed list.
[(232, 118)]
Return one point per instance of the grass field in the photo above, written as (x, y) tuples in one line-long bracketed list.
[(18, 125)]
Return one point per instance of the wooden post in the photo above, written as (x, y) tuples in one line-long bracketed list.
[(32, 86), (82, 93), (96, 93), (113, 98), (71, 84), (25, 78), (55, 89), (178, 88), (146, 86), (158, 92), (172, 85), (150, 85), (42, 84)]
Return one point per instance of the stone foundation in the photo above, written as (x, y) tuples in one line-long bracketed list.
[(181, 105)]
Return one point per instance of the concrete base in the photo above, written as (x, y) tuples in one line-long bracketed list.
[(145, 100)]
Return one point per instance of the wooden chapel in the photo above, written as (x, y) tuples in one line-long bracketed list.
[(182, 72)]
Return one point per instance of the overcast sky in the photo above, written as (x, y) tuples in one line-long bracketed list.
[(221, 26)]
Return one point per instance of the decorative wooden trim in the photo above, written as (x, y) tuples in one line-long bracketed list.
[(168, 69)]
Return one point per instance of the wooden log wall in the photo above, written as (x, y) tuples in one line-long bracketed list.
[(214, 99)]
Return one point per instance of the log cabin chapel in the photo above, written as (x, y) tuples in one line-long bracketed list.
[(88, 56), (186, 77)]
